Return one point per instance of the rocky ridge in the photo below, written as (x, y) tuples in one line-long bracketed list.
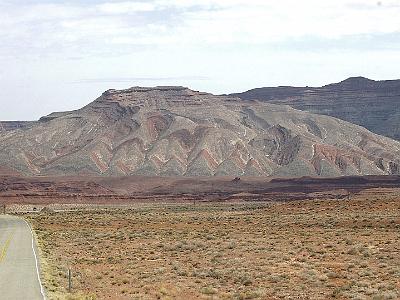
[(372, 104)]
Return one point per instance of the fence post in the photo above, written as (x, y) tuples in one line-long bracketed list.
[(69, 280)]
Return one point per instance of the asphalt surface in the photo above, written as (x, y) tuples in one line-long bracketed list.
[(19, 277)]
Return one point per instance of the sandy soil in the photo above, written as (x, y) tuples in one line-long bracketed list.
[(317, 249)]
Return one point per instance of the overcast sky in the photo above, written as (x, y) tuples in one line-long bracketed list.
[(61, 55)]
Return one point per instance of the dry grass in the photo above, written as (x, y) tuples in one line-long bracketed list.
[(299, 250)]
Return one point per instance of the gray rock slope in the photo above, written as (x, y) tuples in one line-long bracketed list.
[(174, 131), (374, 105)]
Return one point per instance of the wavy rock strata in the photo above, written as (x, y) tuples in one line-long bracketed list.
[(174, 131)]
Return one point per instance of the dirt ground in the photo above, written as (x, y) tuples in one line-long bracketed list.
[(319, 249), (39, 190)]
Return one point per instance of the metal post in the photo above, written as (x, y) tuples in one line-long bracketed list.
[(69, 280)]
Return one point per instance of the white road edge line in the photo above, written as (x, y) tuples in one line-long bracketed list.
[(36, 261)]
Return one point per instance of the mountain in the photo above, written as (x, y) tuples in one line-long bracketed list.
[(174, 131), (372, 104), (12, 125)]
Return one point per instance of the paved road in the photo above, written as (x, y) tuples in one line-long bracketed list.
[(18, 265)]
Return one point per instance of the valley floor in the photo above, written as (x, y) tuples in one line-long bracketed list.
[(319, 249)]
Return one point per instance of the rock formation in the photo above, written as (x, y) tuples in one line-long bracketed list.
[(374, 105), (174, 131)]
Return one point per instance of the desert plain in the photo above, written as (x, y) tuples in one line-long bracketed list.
[(325, 248)]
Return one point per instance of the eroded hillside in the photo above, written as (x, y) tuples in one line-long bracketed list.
[(174, 131)]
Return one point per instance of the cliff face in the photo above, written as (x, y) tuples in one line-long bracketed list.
[(174, 131), (374, 105)]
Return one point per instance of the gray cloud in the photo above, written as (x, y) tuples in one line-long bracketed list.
[(39, 28)]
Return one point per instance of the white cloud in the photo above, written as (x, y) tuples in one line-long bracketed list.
[(125, 7), (266, 21), (93, 27), (162, 22)]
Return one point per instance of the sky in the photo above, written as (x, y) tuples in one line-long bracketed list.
[(61, 55)]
